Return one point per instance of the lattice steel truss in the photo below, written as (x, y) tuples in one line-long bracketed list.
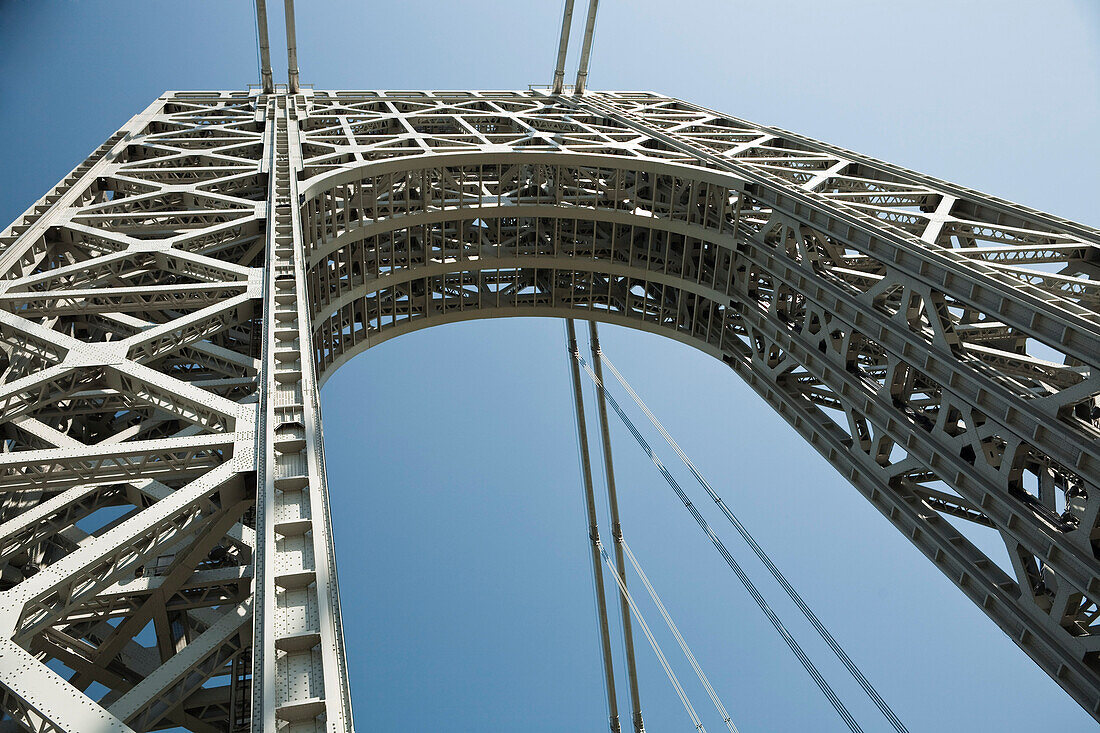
[(168, 311)]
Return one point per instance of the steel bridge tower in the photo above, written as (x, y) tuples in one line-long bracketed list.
[(169, 311)]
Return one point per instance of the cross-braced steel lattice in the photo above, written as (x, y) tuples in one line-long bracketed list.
[(168, 311)]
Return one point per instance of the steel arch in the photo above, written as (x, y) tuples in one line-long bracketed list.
[(169, 310)]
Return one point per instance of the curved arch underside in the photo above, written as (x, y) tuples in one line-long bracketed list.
[(509, 252), (168, 310)]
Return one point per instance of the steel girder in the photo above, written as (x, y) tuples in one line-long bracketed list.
[(168, 311)]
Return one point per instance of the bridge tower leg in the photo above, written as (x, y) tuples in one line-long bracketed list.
[(299, 649)]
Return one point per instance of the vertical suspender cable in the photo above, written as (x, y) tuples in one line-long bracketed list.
[(794, 646), (616, 532), (883, 707), (593, 529)]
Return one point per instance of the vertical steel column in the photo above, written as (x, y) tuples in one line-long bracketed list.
[(291, 47), (593, 529), (266, 79), (563, 47), (300, 673), (586, 47), (616, 526)]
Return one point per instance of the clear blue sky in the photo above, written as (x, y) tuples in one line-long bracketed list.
[(453, 470)]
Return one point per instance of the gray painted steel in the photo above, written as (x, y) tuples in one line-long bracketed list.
[(168, 311)]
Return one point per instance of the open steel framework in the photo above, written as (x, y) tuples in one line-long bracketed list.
[(169, 310)]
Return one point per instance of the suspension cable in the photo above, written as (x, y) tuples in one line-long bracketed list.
[(680, 640), (854, 670), (616, 532), (593, 529), (652, 641), (808, 665)]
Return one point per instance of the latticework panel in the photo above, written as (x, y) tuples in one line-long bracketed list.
[(130, 326)]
